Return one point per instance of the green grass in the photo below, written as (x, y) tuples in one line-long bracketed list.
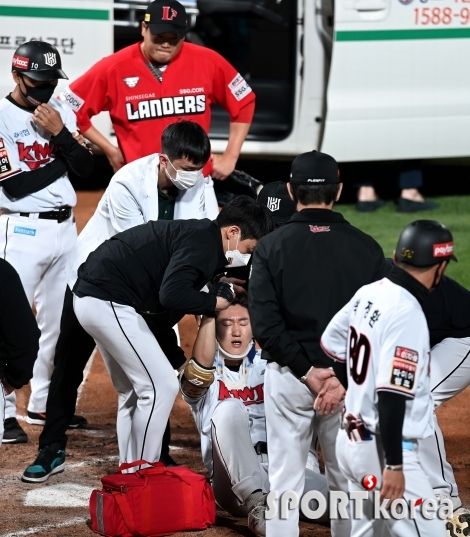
[(385, 225)]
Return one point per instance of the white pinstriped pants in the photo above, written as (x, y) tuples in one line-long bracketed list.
[(450, 375), (141, 374)]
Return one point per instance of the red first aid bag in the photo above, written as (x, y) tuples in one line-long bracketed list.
[(152, 502)]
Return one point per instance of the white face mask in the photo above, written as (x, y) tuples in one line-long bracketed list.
[(184, 179), (236, 258)]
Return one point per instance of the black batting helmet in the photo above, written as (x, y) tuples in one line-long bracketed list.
[(38, 60), (424, 243)]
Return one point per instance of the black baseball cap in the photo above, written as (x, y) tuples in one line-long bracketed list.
[(164, 16), (314, 169), (276, 198)]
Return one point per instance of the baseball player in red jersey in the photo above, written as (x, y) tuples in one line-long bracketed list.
[(151, 84)]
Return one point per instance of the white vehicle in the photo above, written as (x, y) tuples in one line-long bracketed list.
[(82, 31), (360, 79)]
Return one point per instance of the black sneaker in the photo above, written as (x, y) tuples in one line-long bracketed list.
[(49, 461), (39, 418), (168, 461), (77, 422), (36, 418), (13, 433), (369, 206), (410, 206)]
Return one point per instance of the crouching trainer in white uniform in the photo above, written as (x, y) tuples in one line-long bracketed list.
[(224, 386), (380, 341), (157, 268)]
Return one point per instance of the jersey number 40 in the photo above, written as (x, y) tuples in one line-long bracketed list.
[(359, 355)]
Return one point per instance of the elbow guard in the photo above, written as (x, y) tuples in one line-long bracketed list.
[(195, 379)]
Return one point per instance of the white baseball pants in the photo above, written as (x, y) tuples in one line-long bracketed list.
[(38, 250), (141, 374), (290, 423), (450, 375), (358, 459), (237, 470)]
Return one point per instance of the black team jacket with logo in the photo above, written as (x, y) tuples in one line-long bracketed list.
[(303, 273)]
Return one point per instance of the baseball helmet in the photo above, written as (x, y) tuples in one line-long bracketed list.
[(424, 243), (38, 60)]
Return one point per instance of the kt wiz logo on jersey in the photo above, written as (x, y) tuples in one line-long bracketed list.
[(248, 396), (36, 154), (166, 106)]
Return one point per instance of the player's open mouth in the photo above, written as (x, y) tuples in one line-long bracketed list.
[(236, 343)]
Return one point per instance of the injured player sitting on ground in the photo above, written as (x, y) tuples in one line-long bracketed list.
[(223, 384)]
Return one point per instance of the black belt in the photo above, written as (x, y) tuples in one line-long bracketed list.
[(261, 448), (61, 215)]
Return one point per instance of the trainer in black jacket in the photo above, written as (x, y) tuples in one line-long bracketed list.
[(303, 273), (157, 269)]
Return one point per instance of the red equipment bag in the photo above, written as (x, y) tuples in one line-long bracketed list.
[(152, 502)]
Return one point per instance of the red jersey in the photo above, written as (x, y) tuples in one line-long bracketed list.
[(141, 107)]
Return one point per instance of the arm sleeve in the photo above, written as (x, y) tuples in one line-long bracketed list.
[(25, 183), (178, 291), (268, 325), (88, 95), (19, 332), (124, 209), (231, 90), (17, 183), (79, 159), (392, 407)]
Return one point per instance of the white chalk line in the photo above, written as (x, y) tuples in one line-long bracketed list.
[(46, 527)]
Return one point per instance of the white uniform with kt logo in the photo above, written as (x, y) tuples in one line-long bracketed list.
[(383, 336), (37, 248)]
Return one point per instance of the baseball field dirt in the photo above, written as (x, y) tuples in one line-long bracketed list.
[(59, 507)]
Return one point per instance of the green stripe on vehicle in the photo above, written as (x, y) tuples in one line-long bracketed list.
[(401, 35), (54, 13)]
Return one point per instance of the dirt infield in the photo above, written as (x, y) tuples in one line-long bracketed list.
[(58, 508)]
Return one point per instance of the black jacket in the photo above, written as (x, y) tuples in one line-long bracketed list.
[(19, 332), (447, 311), (303, 273), (156, 267)]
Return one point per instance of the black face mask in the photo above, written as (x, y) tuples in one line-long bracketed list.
[(36, 95)]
